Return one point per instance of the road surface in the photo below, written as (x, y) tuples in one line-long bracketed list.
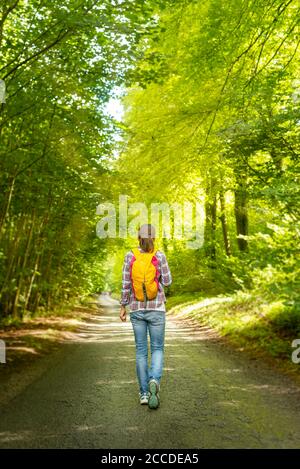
[(211, 396)]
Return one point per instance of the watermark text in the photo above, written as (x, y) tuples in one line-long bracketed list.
[(180, 221)]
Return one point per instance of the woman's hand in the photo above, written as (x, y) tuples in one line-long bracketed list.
[(123, 313)]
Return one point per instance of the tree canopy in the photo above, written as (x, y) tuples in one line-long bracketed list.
[(211, 115)]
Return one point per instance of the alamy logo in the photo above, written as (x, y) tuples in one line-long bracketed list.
[(2, 352), (296, 353), (178, 221)]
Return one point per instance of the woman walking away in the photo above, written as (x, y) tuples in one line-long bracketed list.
[(145, 273)]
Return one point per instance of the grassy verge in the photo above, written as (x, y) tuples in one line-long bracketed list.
[(248, 322), (32, 337)]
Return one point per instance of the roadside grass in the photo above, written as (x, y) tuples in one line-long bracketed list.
[(249, 322), (28, 338)]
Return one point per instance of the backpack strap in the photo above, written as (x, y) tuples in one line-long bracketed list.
[(136, 252)]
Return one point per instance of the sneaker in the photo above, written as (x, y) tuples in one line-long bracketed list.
[(144, 398), (153, 402)]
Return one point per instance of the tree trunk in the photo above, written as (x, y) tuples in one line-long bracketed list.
[(24, 265), (7, 203), (223, 219), (241, 214), (210, 220), (28, 294)]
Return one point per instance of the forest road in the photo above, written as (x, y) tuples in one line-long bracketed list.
[(211, 396)]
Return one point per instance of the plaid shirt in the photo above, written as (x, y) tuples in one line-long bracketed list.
[(165, 279)]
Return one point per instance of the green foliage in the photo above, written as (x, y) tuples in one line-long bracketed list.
[(246, 320), (211, 99), (60, 61), (212, 115)]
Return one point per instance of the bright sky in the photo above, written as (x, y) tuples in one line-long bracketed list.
[(114, 106)]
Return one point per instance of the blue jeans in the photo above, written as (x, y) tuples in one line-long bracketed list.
[(154, 322)]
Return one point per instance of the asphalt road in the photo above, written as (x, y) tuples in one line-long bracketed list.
[(211, 396)]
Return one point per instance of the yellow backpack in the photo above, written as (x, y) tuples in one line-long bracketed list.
[(144, 275)]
